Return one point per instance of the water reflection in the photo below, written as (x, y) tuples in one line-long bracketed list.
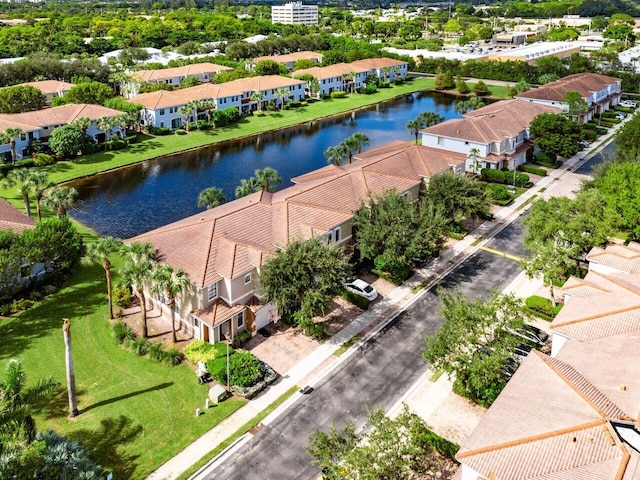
[(139, 198)]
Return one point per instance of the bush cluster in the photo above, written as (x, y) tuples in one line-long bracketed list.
[(241, 338), (542, 307), (357, 300), (492, 175), (533, 170), (201, 351), (244, 369), (123, 335), (338, 94), (499, 194)]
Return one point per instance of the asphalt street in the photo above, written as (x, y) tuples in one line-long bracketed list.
[(588, 167), (377, 376)]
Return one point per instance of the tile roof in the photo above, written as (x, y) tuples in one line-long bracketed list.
[(61, 115), (553, 427), (330, 71), (185, 71), (218, 312), (605, 305), (50, 86), (620, 257), (13, 219), (377, 63), (232, 239), (586, 84), (292, 57), (493, 123)]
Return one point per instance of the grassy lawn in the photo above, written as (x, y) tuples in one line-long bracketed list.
[(152, 147)]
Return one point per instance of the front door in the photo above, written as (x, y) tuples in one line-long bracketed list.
[(205, 333)]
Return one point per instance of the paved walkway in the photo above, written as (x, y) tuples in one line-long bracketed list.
[(427, 397)]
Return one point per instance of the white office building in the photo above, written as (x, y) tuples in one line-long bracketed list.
[(295, 13)]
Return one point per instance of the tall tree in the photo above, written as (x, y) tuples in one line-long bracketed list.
[(9, 136), (431, 118), (556, 135), (459, 197), (23, 179), (186, 112), (17, 425), (136, 271), (97, 253), (578, 106), (71, 375), (257, 97), (283, 94), (105, 124), (211, 197), (60, 199), (267, 178), (414, 126), (40, 182), (171, 283), (247, 187), (21, 98), (336, 154), (83, 123), (354, 143)]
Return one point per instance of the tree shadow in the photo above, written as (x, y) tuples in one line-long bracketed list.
[(125, 396), (106, 444), (55, 406), (81, 297)]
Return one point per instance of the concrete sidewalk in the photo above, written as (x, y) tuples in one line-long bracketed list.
[(370, 321)]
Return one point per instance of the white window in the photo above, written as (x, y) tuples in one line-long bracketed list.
[(162, 111), (440, 140), (196, 322), (513, 143), (335, 235), (247, 278), (212, 291)]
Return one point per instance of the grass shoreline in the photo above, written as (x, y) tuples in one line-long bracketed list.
[(159, 147)]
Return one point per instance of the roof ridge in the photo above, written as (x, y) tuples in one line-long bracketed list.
[(533, 438), (206, 263), (597, 315), (320, 207)]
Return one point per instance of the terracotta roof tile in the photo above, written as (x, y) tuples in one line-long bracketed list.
[(61, 115), (50, 87), (13, 219), (218, 312), (187, 70), (292, 57), (621, 257), (330, 71), (584, 83), (377, 63)]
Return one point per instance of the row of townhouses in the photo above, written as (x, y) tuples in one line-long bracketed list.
[(576, 413)]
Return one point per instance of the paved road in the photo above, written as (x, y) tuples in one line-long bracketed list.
[(377, 376), (587, 168)]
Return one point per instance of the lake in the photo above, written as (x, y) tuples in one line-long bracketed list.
[(135, 199)]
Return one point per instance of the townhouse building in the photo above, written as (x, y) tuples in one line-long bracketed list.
[(289, 59), (498, 134), (222, 249), (39, 124), (204, 72), (51, 88), (333, 78), (575, 413), (385, 68), (601, 92)]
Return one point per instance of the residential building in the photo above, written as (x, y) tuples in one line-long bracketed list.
[(295, 13), (601, 93), (573, 414), (162, 108), (289, 59), (223, 248), (498, 132), (13, 219), (204, 72), (615, 258), (39, 124), (332, 78), (51, 88), (385, 68)]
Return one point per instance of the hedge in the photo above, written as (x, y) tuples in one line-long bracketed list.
[(338, 94), (357, 300), (441, 445), (542, 307), (533, 170), (499, 176)]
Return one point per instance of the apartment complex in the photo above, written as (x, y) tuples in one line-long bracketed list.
[(289, 59), (295, 13), (204, 72)]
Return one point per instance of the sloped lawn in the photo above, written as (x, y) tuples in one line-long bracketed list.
[(134, 413)]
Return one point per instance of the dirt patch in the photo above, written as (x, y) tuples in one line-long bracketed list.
[(158, 326)]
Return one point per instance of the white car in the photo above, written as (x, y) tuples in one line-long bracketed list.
[(628, 103), (362, 288)]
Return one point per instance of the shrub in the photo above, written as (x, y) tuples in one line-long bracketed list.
[(601, 131), (115, 144), (21, 304), (241, 338), (323, 96), (259, 113), (533, 170), (159, 130), (522, 180), (120, 332), (391, 268), (201, 351), (386, 85), (398, 81), (156, 352), (131, 139), (172, 356), (42, 160), (316, 330), (181, 131), (203, 125), (456, 231), (338, 94), (492, 175), (545, 160), (122, 297), (439, 444), (499, 193), (542, 307), (139, 346), (5, 309), (294, 103), (244, 369), (26, 163), (357, 300), (589, 135)]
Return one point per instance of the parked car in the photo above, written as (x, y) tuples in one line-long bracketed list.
[(362, 288), (584, 144), (628, 103), (621, 115), (520, 352), (531, 334)]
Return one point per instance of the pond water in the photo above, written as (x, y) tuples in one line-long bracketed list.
[(135, 199)]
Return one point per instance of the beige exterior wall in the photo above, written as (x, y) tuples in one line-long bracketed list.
[(240, 290)]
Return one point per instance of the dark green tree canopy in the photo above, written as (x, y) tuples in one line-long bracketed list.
[(95, 93), (458, 196), (68, 140), (21, 98), (556, 135), (270, 67)]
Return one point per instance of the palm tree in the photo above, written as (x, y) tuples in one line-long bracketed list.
[(172, 283), (267, 179), (60, 198), (415, 126), (83, 123), (247, 187), (354, 143), (40, 182), (257, 98), (474, 156), (211, 197), (98, 253), (431, 118), (16, 423), (22, 178), (347, 79), (185, 112), (71, 376), (195, 106), (468, 105), (121, 121), (207, 106), (104, 124), (336, 154), (9, 136), (283, 94), (136, 272)]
